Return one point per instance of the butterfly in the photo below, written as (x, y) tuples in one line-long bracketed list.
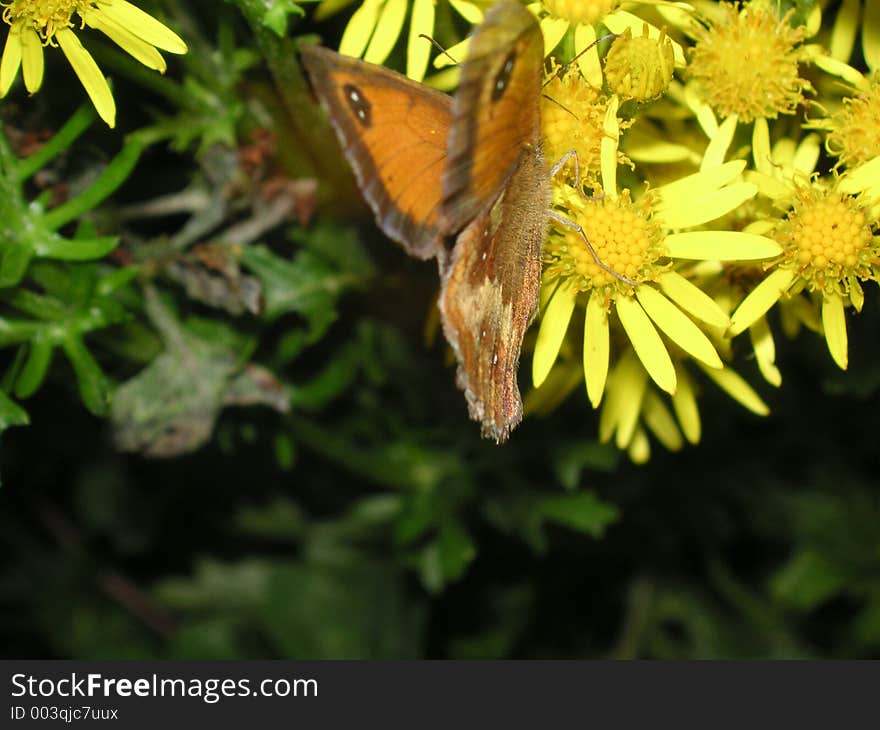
[(462, 179)]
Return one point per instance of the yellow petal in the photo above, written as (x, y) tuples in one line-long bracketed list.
[(684, 403), (89, 74), (143, 25), (469, 11), (608, 148), (719, 144), (692, 299), (765, 351), (630, 383), (11, 61), (388, 28), (862, 179), (767, 185), (871, 35), (647, 343), (554, 325), (584, 37), (760, 299), (418, 49), (360, 28), (761, 147), (31, 60), (126, 40), (707, 206), (834, 324), (639, 450), (721, 245), (807, 154), (553, 30), (840, 69), (843, 32), (458, 52), (660, 421), (681, 330), (683, 190), (738, 389), (596, 348)]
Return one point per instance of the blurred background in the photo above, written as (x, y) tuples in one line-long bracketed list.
[(287, 469)]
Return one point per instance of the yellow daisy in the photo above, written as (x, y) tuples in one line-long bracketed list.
[(617, 255), (829, 245), (34, 24)]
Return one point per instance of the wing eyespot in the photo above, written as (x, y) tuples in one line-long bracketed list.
[(357, 102), (502, 78)]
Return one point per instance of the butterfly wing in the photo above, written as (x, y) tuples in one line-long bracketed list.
[(490, 293), (393, 132), (496, 112), (497, 183)]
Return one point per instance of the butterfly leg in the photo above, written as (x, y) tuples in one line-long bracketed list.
[(601, 264), (568, 223)]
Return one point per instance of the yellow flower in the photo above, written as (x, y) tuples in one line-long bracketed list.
[(745, 63), (829, 246), (615, 256), (582, 17), (853, 131), (37, 23)]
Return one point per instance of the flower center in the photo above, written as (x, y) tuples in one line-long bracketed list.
[(854, 131), (45, 16), (572, 113), (620, 233), (828, 238), (587, 12), (639, 68), (747, 63)]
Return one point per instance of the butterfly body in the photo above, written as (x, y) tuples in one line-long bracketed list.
[(462, 179)]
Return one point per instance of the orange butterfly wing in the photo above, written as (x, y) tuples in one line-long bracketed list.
[(497, 184), (393, 132), (496, 112)]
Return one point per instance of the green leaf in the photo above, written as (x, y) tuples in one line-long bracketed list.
[(11, 414), (94, 388), (276, 14), (582, 511), (83, 249), (572, 458), (35, 368), (807, 580), (108, 181), (14, 260)]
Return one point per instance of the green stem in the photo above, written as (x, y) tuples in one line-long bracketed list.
[(75, 126), (114, 175)]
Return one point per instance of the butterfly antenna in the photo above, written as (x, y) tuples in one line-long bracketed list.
[(560, 105), (438, 47), (563, 69)]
